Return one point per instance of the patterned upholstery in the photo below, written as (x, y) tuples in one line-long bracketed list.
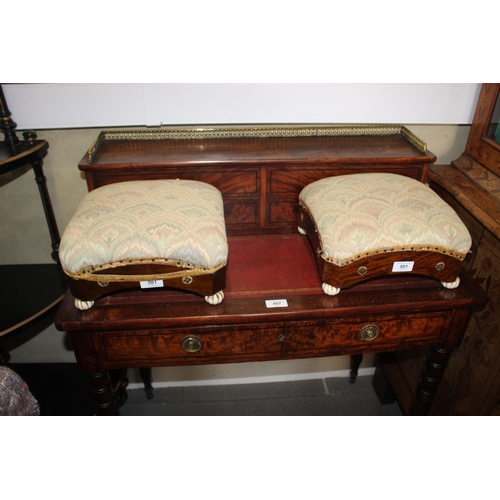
[(176, 222), (15, 396), (360, 215)]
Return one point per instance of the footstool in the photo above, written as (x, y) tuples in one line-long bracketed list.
[(146, 234), (365, 226)]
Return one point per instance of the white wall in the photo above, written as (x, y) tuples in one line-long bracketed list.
[(59, 106)]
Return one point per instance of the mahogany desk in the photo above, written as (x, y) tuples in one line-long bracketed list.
[(161, 328), (260, 171)]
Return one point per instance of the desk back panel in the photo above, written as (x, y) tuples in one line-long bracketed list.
[(259, 171)]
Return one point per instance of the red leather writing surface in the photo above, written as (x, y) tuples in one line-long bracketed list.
[(271, 265), (290, 269)]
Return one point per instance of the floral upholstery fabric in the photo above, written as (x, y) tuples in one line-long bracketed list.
[(15, 396), (140, 221), (364, 214)]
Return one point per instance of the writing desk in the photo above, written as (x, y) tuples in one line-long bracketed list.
[(260, 172), (167, 328)]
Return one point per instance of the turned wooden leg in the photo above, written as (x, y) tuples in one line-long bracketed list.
[(119, 383), (146, 378), (7, 124), (102, 394), (41, 181), (355, 362), (382, 387), (432, 372)]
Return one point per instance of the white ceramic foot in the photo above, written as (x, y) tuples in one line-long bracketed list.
[(215, 299), (83, 305), (451, 285), (301, 231), (329, 289)]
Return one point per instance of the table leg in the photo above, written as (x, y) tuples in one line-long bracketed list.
[(102, 394), (146, 378), (119, 383), (355, 363), (381, 385), (41, 181), (432, 372)]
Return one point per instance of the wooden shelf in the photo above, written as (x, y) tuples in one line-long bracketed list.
[(27, 291)]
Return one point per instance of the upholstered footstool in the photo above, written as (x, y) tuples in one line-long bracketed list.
[(146, 234), (364, 226)]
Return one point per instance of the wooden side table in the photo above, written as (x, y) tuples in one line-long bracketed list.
[(15, 154), (27, 291)]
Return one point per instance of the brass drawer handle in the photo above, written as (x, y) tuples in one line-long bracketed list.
[(369, 332), (191, 344)]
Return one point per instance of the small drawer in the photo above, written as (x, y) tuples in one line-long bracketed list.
[(244, 212), (283, 211), (293, 180), (382, 330), (227, 182), (155, 346)]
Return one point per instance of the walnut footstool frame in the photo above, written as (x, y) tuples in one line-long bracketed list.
[(349, 261), (147, 234)]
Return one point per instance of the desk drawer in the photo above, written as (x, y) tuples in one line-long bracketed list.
[(228, 181), (206, 345), (290, 180)]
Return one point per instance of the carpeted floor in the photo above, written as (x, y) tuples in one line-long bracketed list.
[(61, 391), (333, 396)]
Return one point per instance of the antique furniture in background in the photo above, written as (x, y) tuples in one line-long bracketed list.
[(471, 185), (15, 154), (274, 306), (27, 291)]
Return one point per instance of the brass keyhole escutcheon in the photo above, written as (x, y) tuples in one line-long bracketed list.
[(369, 332), (191, 344), (281, 338), (439, 266)]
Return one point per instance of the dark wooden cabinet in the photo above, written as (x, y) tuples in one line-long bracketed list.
[(471, 185)]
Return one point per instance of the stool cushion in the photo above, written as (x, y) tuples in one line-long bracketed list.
[(137, 222), (360, 215)]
